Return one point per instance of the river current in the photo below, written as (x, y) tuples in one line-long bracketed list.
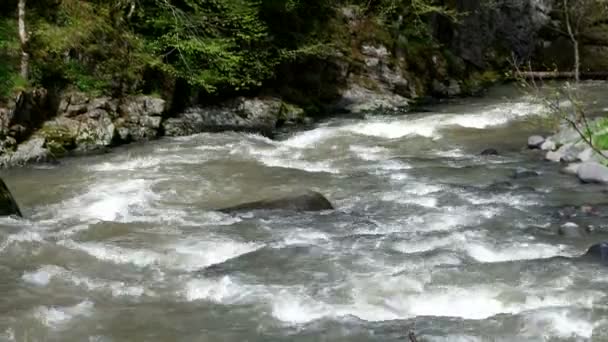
[(427, 236)]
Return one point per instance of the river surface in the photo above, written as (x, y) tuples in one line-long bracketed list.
[(127, 246)]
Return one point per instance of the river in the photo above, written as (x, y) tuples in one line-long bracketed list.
[(126, 246)]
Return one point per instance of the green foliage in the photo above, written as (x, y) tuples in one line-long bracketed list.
[(10, 80), (219, 46)]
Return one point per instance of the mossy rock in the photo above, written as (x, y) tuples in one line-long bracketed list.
[(59, 139), (291, 114)]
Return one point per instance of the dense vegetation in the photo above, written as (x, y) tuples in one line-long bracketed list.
[(219, 46)]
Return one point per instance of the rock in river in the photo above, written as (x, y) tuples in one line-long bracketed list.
[(307, 201), (535, 141), (8, 205), (592, 173), (489, 152), (598, 252)]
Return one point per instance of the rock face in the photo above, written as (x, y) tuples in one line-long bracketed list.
[(513, 25), (307, 201), (83, 124), (592, 173), (8, 205), (255, 115)]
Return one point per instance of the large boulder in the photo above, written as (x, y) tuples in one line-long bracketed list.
[(357, 99), (592, 173), (255, 115), (598, 252), (8, 205), (307, 201), (31, 151)]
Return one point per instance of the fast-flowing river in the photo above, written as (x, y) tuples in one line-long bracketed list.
[(427, 236)]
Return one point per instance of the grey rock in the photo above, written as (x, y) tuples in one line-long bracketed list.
[(489, 152), (571, 169), (548, 145), (358, 100), (454, 88), (535, 141), (598, 252), (256, 115), (553, 156), (31, 151), (586, 154), (142, 106), (571, 153), (572, 230), (592, 173), (556, 156), (140, 118), (307, 201), (8, 205), (521, 173)]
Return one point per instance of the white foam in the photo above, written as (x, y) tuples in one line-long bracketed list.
[(194, 255), (23, 236), (396, 129), (305, 237), (54, 317), (429, 202), (298, 309), (515, 251), (425, 244), (370, 153), (111, 200), (118, 255), (132, 164), (283, 162), (44, 275), (560, 323), (310, 138), (429, 126), (223, 290)]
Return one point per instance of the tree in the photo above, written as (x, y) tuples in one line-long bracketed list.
[(578, 17), (23, 38)]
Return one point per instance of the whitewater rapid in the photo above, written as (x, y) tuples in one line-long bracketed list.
[(127, 246)]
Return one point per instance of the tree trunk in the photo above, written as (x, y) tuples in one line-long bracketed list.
[(23, 38), (577, 62)]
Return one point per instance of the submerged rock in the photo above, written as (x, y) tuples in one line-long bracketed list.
[(8, 205), (520, 174), (489, 152), (535, 141), (592, 173), (572, 230), (307, 201)]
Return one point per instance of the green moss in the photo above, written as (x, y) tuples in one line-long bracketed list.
[(59, 140)]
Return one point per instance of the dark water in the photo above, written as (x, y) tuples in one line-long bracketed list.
[(127, 247)]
